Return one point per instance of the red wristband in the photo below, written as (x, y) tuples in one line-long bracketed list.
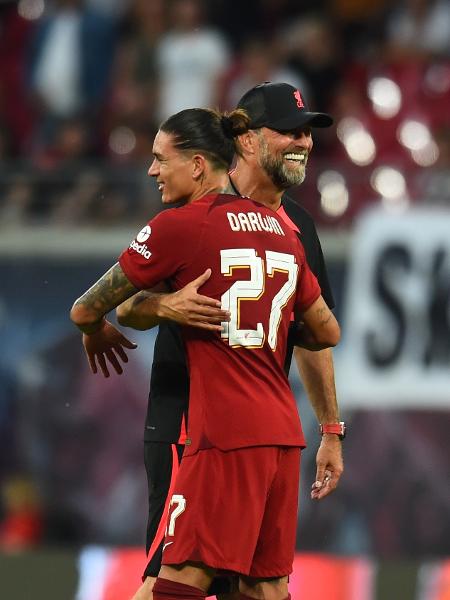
[(337, 428)]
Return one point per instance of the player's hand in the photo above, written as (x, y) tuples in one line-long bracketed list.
[(330, 466), (106, 346), (188, 307)]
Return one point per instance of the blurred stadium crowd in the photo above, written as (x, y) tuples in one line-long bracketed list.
[(84, 84), (83, 87)]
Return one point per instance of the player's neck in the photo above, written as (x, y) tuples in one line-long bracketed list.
[(212, 184), (256, 185)]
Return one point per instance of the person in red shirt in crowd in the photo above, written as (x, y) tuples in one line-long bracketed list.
[(243, 430)]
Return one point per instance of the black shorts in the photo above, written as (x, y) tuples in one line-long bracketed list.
[(162, 461)]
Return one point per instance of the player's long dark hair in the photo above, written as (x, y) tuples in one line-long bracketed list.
[(208, 132)]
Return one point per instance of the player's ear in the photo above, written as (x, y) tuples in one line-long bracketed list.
[(198, 166)]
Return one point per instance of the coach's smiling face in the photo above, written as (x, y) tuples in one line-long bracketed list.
[(172, 169), (283, 155)]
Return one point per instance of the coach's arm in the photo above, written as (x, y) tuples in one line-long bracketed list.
[(185, 307), (317, 374), (319, 328)]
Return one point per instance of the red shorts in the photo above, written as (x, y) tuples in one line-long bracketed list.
[(236, 510)]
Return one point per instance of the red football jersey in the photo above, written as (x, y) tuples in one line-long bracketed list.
[(239, 393)]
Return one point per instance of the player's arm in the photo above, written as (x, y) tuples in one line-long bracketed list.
[(102, 342), (185, 307)]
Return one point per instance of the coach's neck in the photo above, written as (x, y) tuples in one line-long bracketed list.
[(250, 180)]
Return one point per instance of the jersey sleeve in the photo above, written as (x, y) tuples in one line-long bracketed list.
[(156, 253), (308, 288), (322, 274), (311, 244)]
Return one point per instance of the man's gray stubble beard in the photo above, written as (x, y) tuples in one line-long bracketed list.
[(282, 177)]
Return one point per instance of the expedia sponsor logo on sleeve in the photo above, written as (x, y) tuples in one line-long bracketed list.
[(142, 236), (141, 249)]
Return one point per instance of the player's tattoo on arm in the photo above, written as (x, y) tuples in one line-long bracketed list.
[(107, 293)]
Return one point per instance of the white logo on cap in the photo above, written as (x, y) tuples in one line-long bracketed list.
[(144, 234)]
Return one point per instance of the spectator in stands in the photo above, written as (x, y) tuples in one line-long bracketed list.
[(70, 61), (8, 407), (191, 57), (419, 28), (112, 8), (69, 145), (21, 526), (15, 115), (433, 184), (17, 201), (313, 50), (259, 60), (5, 142), (135, 76), (361, 25)]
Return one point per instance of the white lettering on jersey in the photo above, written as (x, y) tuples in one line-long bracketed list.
[(252, 217), (243, 220), (141, 249), (269, 224), (252, 221), (264, 224), (233, 220), (276, 226)]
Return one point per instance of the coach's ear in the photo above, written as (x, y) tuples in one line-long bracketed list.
[(198, 166), (246, 143)]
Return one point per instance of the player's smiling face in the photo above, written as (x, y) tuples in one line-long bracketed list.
[(283, 155), (172, 169)]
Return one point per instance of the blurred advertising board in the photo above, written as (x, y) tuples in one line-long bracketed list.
[(106, 573), (395, 347)]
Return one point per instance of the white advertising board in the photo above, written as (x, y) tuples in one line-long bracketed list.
[(395, 346)]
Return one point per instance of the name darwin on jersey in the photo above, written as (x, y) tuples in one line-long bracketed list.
[(252, 221)]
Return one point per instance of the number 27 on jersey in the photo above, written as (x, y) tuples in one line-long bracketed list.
[(253, 289)]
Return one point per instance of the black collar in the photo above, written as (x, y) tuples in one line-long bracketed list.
[(235, 190)]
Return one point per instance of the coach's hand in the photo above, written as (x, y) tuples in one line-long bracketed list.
[(106, 346), (188, 307), (330, 466)]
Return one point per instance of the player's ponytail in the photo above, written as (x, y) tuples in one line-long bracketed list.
[(235, 122), (208, 132)]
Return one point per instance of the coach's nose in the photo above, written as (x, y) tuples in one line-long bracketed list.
[(303, 137)]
